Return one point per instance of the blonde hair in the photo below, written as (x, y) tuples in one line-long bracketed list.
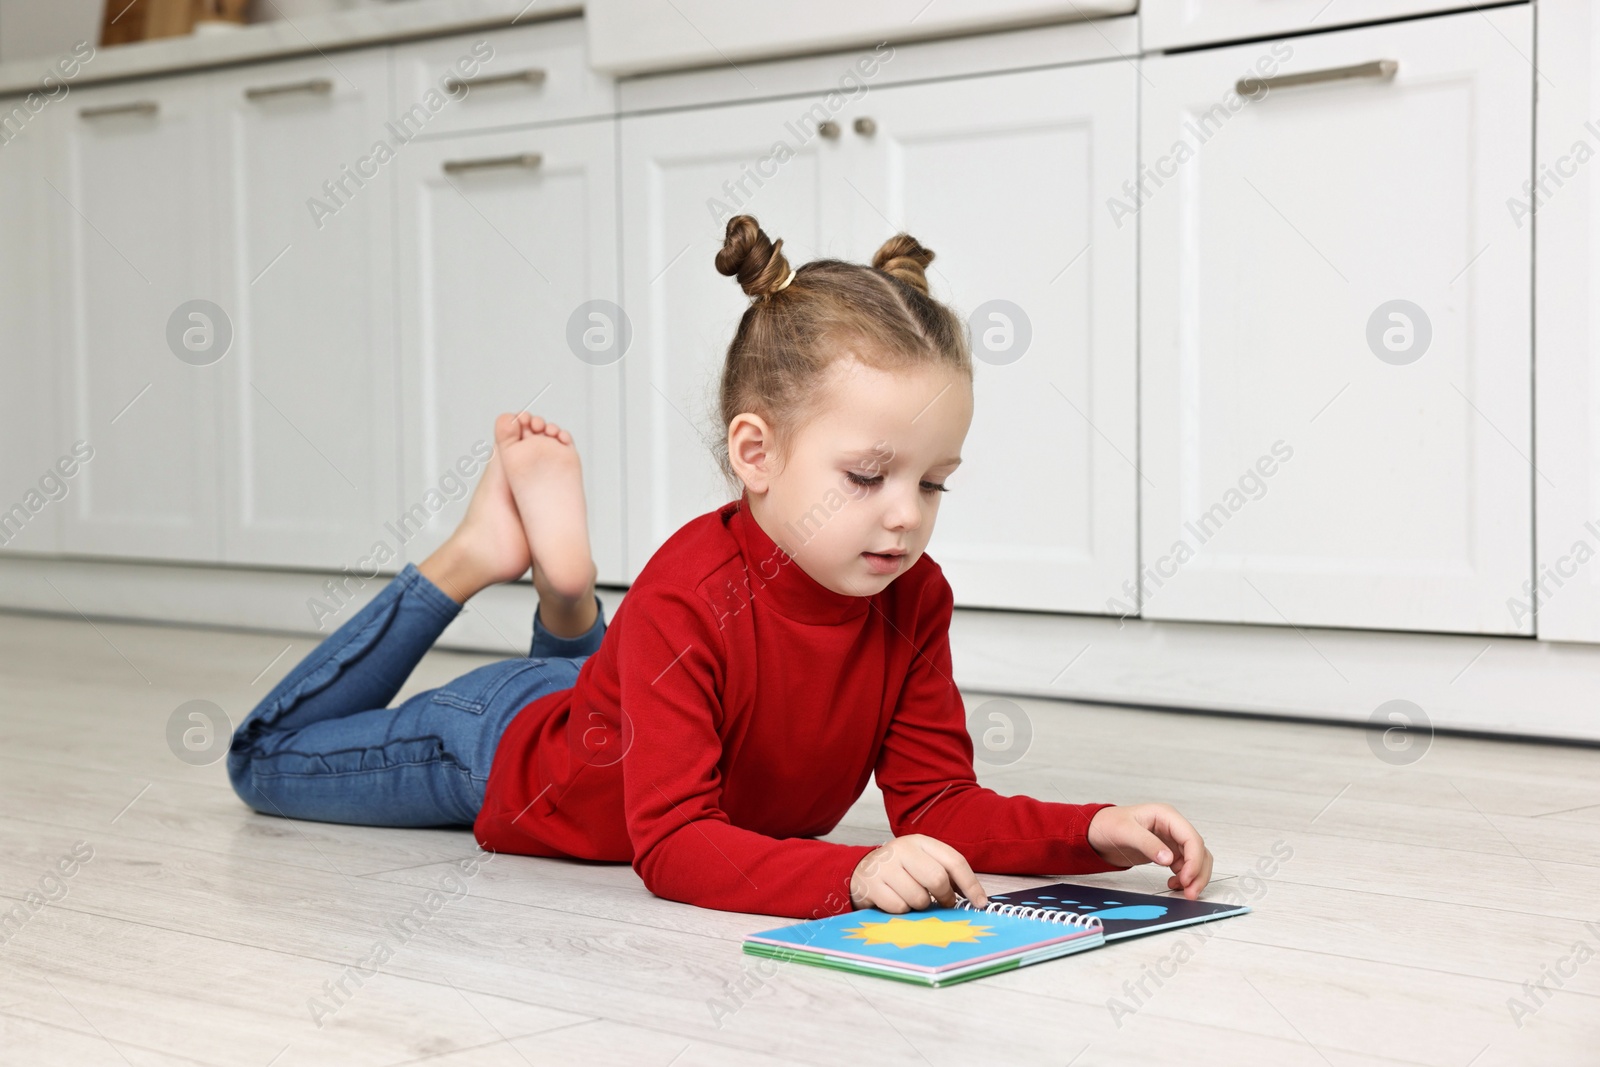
[(794, 330)]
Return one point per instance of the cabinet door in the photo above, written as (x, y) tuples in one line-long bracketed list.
[(308, 442), (505, 242), (1007, 179), (686, 173), (1335, 332), (1567, 372), (131, 212), (30, 443)]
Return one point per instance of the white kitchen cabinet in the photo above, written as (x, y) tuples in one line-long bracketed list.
[(1166, 24), (131, 212), (305, 273), (1313, 452), (31, 489), (227, 350), (681, 169), (1567, 363), (1005, 178), (505, 240)]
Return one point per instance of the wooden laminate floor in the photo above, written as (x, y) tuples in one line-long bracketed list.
[(1419, 905)]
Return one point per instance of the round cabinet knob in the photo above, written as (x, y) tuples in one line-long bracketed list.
[(866, 127), (829, 129)]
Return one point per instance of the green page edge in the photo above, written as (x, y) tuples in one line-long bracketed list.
[(794, 955)]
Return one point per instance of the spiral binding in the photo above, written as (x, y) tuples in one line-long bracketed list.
[(1049, 915)]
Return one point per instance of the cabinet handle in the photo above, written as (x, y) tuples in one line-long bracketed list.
[(138, 107), (829, 129), (531, 76), (315, 85), (1382, 69), (525, 159), (866, 127)]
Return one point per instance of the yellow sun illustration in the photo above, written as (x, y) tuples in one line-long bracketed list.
[(909, 933)]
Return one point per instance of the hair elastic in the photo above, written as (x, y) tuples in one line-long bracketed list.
[(792, 272)]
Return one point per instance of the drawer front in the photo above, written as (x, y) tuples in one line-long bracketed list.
[(513, 76), (630, 37), (1170, 24)]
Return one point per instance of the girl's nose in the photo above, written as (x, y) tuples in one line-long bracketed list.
[(905, 511)]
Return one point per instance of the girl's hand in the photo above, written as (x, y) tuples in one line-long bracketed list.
[(1153, 833), (911, 872)]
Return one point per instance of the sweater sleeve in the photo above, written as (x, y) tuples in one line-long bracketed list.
[(925, 771), (685, 847)]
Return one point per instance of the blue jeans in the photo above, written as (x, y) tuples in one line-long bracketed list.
[(325, 745)]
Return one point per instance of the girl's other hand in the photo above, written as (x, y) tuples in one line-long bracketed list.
[(911, 873), (1153, 833)]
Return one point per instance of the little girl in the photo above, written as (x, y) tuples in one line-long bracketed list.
[(771, 655)]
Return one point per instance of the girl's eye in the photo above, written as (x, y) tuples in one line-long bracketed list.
[(864, 480)]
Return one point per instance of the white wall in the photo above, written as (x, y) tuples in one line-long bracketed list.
[(30, 29)]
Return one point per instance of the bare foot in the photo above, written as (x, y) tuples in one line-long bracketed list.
[(490, 545), (546, 480)]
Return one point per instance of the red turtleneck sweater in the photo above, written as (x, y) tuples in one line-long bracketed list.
[(734, 712)]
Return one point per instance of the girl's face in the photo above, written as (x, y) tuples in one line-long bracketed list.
[(863, 477)]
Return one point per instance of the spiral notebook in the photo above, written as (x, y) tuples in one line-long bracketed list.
[(1121, 914), (942, 946)]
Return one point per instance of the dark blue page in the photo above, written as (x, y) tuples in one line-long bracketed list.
[(1124, 914)]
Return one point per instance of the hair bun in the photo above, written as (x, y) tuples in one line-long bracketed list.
[(903, 257), (750, 255)]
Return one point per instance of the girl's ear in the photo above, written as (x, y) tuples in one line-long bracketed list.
[(750, 451)]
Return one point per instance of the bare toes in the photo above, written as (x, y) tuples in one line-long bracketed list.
[(537, 424)]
